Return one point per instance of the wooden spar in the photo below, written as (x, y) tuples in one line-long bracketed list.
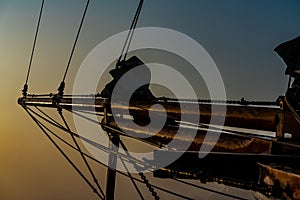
[(76, 103), (252, 117), (226, 142)]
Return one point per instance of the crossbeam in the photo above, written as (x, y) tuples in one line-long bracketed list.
[(251, 117)]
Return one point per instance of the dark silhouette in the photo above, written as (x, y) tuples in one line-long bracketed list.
[(143, 92), (290, 53)]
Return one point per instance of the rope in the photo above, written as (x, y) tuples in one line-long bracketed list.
[(122, 173), (24, 91), (41, 126), (86, 155), (207, 189), (91, 113), (224, 130), (49, 117), (134, 26), (121, 133), (62, 84), (97, 161), (130, 33), (104, 149), (97, 145), (133, 181), (81, 153), (44, 128)]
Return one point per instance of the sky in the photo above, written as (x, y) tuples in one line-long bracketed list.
[(240, 36)]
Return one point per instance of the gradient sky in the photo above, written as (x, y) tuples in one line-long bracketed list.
[(240, 35)]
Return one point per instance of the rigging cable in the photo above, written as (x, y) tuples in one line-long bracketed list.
[(132, 180), (62, 84), (42, 127), (94, 144), (49, 117), (130, 33), (25, 88), (122, 134), (81, 153), (207, 189), (107, 126), (134, 26)]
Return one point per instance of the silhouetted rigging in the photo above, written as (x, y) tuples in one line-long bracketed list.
[(249, 153), (25, 89)]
